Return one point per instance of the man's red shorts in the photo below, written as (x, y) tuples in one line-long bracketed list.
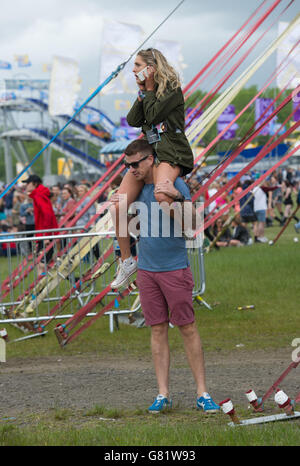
[(166, 296)]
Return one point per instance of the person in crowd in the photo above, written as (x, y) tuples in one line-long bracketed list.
[(297, 225), (287, 189), (8, 204), (240, 233), (164, 277), (10, 248), (222, 233), (67, 203), (27, 219), (18, 198), (260, 210), (159, 111), (82, 189), (276, 199), (247, 213), (56, 199), (236, 191), (44, 216)]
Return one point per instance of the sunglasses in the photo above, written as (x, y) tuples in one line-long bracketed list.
[(135, 164)]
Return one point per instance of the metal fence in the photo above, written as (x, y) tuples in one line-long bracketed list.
[(50, 277)]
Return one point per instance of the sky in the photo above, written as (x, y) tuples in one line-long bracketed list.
[(72, 28)]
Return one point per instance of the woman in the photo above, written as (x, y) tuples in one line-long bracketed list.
[(82, 189), (287, 188), (223, 234), (67, 202), (159, 111)]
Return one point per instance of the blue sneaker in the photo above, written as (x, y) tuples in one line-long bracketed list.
[(160, 404), (206, 403)]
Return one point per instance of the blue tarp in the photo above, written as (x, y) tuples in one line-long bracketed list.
[(279, 151), (117, 147)]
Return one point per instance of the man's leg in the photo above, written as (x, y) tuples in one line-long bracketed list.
[(193, 348), (161, 356), (194, 352)]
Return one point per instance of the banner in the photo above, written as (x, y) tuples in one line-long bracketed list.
[(122, 104), (296, 102), (224, 119), (292, 72), (260, 106), (118, 42), (46, 68), (64, 86), (172, 51), (4, 65), (22, 61)]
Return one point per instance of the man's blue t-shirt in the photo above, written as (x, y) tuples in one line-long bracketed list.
[(162, 246)]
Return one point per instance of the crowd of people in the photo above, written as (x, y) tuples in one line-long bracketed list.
[(268, 204), (17, 209)]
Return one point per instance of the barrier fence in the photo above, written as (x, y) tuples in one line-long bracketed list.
[(41, 285)]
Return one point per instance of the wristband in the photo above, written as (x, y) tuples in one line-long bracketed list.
[(179, 197), (141, 95)]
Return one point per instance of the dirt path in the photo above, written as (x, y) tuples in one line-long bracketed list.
[(81, 382)]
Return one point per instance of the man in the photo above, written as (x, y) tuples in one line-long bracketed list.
[(44, 216), (164, 277)]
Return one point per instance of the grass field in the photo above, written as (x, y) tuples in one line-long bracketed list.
[(263, 275)]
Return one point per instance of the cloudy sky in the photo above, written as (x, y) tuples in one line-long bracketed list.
[(72, 28)]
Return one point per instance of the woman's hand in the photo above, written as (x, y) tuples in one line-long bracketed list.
[(115, 198), (149, 81)]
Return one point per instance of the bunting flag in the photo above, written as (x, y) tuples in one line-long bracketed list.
[(122, 104), (64, 86), (173, 53), (46, 68), (117, 40), (224, 119), (22, 61), (291, 74), (5, 65), (296, 102), (263, 106)]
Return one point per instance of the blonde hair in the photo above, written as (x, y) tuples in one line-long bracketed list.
[(165, 75)]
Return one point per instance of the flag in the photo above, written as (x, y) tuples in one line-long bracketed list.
[(224, 119), (64, 86), (291, 74), (260, 107), (46, 68), (22, 61), (4, 65), (118, 42), (296, 102), (122, 104), (173, 53)]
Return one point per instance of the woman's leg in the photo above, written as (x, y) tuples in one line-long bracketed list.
[(130, 188), (163, 172)]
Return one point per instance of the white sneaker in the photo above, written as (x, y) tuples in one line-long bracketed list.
[(263, 239), (124, 272)]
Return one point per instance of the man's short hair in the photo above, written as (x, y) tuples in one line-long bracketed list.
[(139, 145)]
